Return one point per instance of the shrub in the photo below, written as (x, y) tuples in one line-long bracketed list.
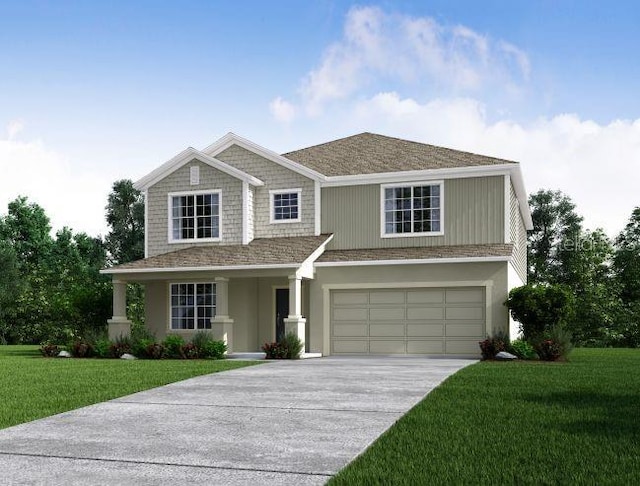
[(274, 350), (493, 345), (289, 347), (213, 349), (120, 346), (81, 349), (540, 308), (554, 344), (101, 348), (522, 349), (207, 346), (49, 350), (155, 351), (173, 345), (139, 347), (190, 351)]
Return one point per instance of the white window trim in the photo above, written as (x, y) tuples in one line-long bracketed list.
[(383, 234), (272, 194), (170, 306), (170, 197)]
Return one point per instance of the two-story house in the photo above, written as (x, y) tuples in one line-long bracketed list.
[(364, 245)]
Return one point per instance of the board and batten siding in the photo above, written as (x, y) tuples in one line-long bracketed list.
[(274, 177), (473, 214), (518, 237), (179, 181)]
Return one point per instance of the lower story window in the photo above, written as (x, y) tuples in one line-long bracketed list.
[(193, 305)]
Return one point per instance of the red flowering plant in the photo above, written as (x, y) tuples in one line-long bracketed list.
[(493, 345), (274, 350)]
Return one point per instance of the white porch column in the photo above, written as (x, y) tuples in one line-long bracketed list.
[(295, 323), (222, 324), (119, 325)]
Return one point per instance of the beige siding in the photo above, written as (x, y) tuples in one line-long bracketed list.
[(492, 275), (275, 177), (518, 237), (473, 214), (210, 178)]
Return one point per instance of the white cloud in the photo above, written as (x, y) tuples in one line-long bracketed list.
[(282, 110), (378, 46), (13, 128), (597, 165), (71, 196)]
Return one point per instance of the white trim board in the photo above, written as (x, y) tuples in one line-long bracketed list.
[(414, 261)]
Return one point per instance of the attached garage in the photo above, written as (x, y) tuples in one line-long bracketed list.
[(433, 321)]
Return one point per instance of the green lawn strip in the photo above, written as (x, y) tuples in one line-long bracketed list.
[(33, 387), (517, 423)]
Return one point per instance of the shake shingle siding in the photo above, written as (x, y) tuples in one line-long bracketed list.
[(178, 181), (274, 177)]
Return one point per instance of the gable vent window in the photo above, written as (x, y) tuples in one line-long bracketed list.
[(195, 216), (285, 206), (194, 175), (412, 210)]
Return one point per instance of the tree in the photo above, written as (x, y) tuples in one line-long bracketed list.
[(626, 261), (125, 217), (556, 228), (10, 284), (561, 252), (125, 241)]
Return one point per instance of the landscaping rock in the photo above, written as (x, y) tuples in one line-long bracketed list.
[(505, 355), (128, 356), (64, 354)]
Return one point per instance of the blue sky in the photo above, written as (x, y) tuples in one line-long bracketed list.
[(91, 92)]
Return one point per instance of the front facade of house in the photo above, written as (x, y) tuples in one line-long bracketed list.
[(364, 245)]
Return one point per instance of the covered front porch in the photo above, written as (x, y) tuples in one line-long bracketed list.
[(242, 303)]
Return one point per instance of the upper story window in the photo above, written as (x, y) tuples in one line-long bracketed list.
[(194, 216), (285, 205), (412, 209)]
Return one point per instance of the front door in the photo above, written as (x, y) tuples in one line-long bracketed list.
[(282, 311)]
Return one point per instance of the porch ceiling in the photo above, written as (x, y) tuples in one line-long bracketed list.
[(261, 253)]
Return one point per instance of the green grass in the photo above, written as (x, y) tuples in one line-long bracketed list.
[(33, 387), (517, 423)]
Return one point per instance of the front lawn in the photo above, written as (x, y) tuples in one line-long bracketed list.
[(33, 387), (517, 423)]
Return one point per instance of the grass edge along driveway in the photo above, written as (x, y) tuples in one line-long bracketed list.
[(517, 423), (32, 387)]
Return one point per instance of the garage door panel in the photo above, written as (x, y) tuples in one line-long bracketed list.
[(387, 347), (351, 347), (387, 297), (350, 314), (462, 347), (464, 313), (467, 296), (428, 296), (422, 313), (390, 329), (475, 330), (425, 330), (386, 314), (351, 330), (350, 298), (425, 347), (408, 321)]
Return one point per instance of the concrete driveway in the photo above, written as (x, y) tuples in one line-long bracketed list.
[(286, 422)]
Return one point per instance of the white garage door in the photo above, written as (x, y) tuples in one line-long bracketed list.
[(408, 321)]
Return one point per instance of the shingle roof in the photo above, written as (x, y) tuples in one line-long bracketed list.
[(418, 253), (267, 251), (369, 153)]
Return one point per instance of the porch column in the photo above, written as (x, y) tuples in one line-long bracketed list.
[(119, 325), (222, 324), (295, 323)]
